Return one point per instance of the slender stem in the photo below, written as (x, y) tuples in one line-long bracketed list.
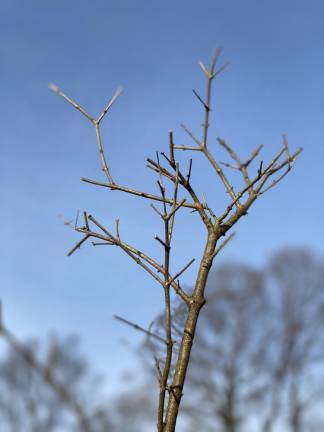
[(139, 193), (168, 333), (102, 154), (198, 301)]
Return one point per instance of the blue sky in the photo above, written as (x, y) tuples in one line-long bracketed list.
[(274, 85)]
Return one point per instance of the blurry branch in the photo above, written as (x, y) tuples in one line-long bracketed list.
[(138, 327), (168, 169), (46, 374)]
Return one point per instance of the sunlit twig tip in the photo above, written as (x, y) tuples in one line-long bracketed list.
[(53, 87)]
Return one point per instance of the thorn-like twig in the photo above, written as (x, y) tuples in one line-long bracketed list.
[(200, 100), (162, 242), (171, 147), (189, 170)]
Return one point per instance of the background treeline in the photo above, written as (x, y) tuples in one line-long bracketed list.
[(257, 365)]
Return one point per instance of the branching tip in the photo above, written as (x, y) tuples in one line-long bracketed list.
[(53, 87)]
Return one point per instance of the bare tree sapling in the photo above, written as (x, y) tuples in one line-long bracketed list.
[(215, 225)]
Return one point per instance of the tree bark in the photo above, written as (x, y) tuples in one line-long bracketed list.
[(198, 300)]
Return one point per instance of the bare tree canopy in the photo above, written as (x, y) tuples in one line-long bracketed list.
[(177, 193)]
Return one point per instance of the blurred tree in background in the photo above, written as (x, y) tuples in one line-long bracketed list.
[(258, 360), (257, 365), (28, 403)]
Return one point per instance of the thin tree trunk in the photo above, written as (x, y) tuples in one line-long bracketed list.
[(189, 333)]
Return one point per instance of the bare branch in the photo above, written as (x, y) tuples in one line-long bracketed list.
[(229, 188), (188, 148), (138, 193), (175, 198), (137, 327), (200, 100), (102, 154), (183, 270), (156, 210), (227, 240), (171, 147), (253, 155), (176, 208), (262, 176), (204, 69), (102, 244), (191, 136), (78, 245), (221, 69), (240, 166), (116, 95), (86, 220), (56, 90), (189, 171), (162, 242), (124, 245)]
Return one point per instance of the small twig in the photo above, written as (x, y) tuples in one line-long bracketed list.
[(157, 365), (260, 169), (102, 154), (137, 193), (189, 171), (171, 147), (162, 190), (188, 148), (162, 242), (56, 90), (277, 180), (137, 327), (224, 243), (76, 219), (78, 245), (192, 136), (175, 198), (117, 229), (198, 205), (221, 69), (176, 208), (200, 99), (86, 220), (228, 165), (116, 95), (253, 155), (240, 166), (182, 270), (229, 188), (204, 69), (156, 210)]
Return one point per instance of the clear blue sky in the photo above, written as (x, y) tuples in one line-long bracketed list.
[(274, 85)]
